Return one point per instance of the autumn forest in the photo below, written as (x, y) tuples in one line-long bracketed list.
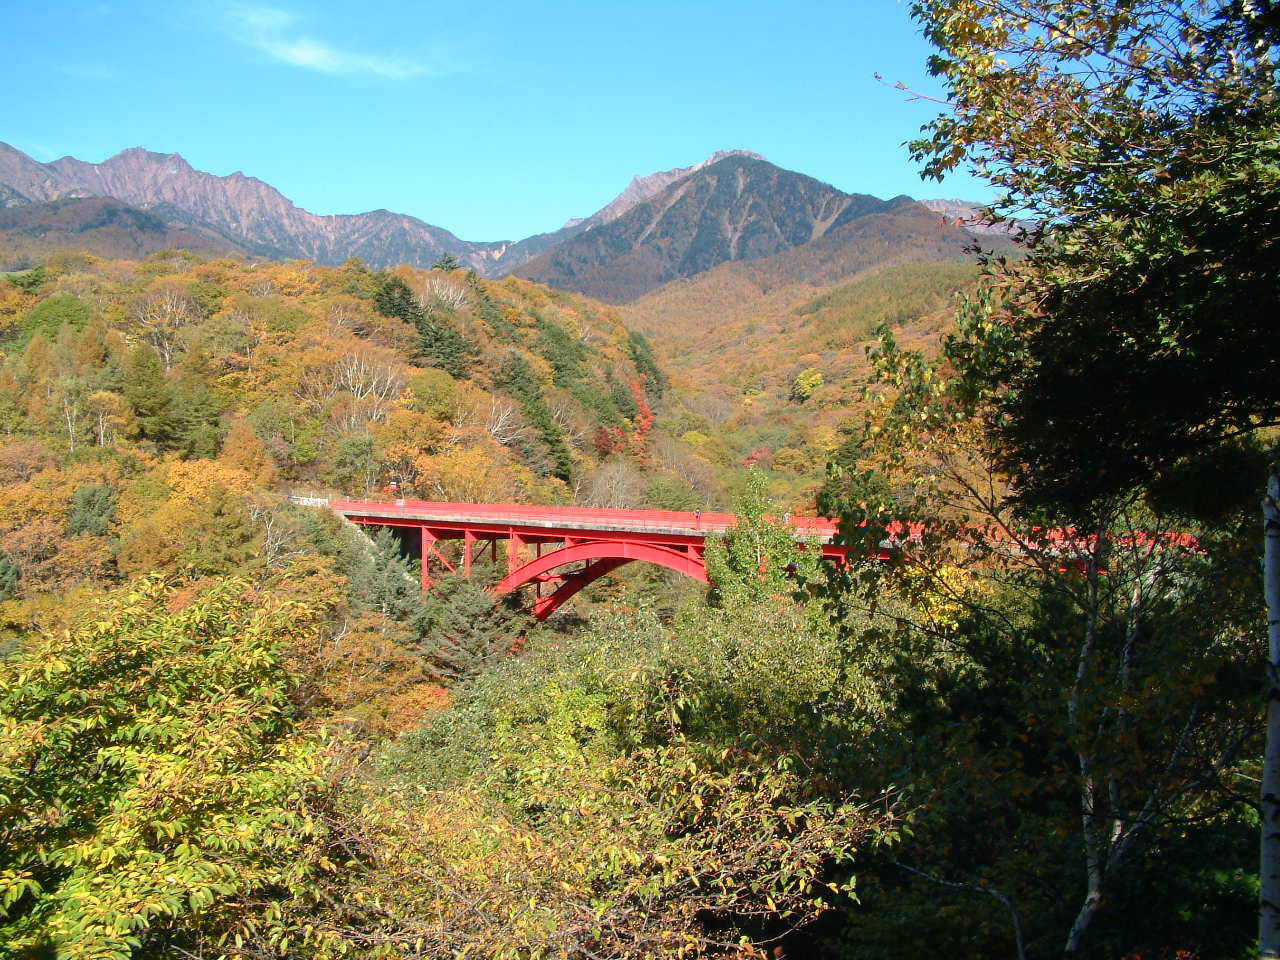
[(233, 724)]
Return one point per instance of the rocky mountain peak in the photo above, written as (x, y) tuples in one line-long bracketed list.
[(733, 206), (642, 188)]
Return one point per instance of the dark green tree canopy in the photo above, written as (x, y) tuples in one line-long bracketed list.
[(1143, 138)]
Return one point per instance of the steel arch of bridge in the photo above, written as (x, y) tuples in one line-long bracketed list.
[(601, 557), (600, 540)]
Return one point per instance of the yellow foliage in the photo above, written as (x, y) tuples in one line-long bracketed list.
[(143, 496), (397, 713), (293, 279), (47, 495), (191, 480), (361, 667), (789, 458), (408, 430), (467, 474), (938, 593), (13, 304), (26, 620)]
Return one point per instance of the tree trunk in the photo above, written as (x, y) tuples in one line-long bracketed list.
[(1269, 896), (1095, 865)]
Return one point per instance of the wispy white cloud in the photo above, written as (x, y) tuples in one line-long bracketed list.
[(277, 33)]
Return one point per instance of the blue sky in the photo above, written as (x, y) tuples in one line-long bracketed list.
[(494, 121)]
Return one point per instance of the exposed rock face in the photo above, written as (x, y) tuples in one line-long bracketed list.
[(638, 191), (247, 212), (644, 188), (739, 207)]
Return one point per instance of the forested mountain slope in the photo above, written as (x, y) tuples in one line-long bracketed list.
[(688, 315), (771, 385), (100, 226)]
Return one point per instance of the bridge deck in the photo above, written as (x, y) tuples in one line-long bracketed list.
[(580, 520)]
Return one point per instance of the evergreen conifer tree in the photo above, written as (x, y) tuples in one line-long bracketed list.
[(440, 345), (93, 509), (148, 393), (395, 299)]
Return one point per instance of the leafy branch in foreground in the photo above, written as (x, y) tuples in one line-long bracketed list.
[(153, 776)]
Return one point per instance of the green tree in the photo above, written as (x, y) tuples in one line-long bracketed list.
[(456, 625), (28, 281), (759, 557), (681, 776), (53, 313), (354, 466), (518, 378), (395, 299), (446, 262), (196, 430), (1136, 337), (1040, 673), (381, 579), (93, 510), (10, 578), (562, 350), (655, 382), (440, 344), (152, 774), (147, 390), (434, 392), (464, 629)]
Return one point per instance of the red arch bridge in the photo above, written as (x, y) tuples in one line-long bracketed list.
[(560, 550)]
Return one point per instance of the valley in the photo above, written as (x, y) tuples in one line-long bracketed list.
[(721, 265)]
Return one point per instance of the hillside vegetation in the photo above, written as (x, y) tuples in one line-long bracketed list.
[(1030, 707), (233, 726), (769, 383), (144, 404)]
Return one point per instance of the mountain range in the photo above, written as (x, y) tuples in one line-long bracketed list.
[(670, 225), (244, 212)]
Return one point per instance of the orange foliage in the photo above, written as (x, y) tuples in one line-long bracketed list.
[(244, 452)]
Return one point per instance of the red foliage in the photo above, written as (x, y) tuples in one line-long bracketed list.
[(608, 440), (644, 420)]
